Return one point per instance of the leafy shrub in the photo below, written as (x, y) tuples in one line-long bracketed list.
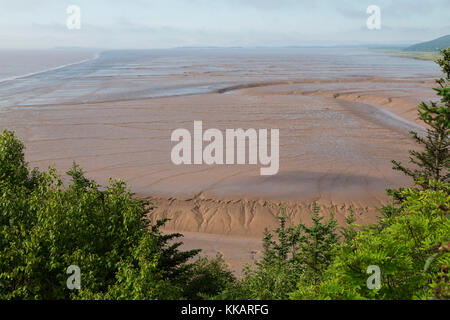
[(46, 227), (402, 250), (208, 278), (291, 254)]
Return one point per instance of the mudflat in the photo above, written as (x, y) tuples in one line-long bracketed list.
[(337, 137)]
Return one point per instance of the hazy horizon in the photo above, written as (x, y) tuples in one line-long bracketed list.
[(155, 24)]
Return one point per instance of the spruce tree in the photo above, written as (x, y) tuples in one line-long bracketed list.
[(432, 163), (317, 249), (284, 246)]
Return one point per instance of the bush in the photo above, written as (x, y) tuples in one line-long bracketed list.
[(291, 254), (433, 162), (411, 252), (45, 228), (209, 277)]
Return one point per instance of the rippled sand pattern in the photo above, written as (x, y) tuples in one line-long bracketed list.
[(338, 132)]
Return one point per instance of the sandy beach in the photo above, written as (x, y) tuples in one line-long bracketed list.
[(337, 137)]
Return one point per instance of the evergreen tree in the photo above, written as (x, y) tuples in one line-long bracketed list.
[(349, 231), (318, 246), (46, 227), (286, 244), (433, 162), (412, 252)]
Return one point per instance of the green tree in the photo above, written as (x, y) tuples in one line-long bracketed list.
[(276, 273), (45, 227), (291, 254), (317, 250), (433, 162), (402, 250), (282, 243), (209, 277)]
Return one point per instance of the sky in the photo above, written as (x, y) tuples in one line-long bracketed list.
[(145, 24)]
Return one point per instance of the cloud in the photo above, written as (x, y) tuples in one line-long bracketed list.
[(168, 23)]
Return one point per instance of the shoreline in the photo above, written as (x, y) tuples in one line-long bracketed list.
[(418, 55), (22, 76)]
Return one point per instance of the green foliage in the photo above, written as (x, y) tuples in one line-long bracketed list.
[(281, 245), (444, 62), (408, 243), (137, 277), (433, 163), (209, 277), (401, 250), (318, 247), (291, 254), (46, 227), (277, 272), (13, 167)]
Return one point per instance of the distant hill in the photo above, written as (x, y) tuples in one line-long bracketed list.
[(433, 45)]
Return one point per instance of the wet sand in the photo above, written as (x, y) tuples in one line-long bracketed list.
[(337, 138)]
